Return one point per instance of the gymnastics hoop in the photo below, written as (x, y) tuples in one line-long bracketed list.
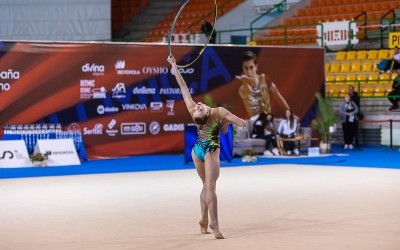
[(172, 29)]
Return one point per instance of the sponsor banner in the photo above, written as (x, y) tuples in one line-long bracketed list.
[(61, 152), (13, 154), (337, 33), (394, 39), (125, 98)]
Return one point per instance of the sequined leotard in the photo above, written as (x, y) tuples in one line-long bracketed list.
[(208, 135)]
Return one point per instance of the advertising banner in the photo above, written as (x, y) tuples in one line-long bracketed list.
[(13, 154), (125, 99), (61, 152)]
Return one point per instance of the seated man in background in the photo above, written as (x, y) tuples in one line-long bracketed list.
[(264, 128), (386, 66), (393, 95)]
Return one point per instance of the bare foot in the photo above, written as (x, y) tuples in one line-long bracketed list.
[(216, 232), (203, 226)]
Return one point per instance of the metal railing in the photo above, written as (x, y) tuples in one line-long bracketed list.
[(280, 7)]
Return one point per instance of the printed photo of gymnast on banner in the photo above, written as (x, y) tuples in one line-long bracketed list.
[(123, 97)]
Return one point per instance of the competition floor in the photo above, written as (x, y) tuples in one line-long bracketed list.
[(277, 206)]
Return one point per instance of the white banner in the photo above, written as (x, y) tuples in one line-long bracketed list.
[(61, 152), (13, 154), (337, 33)]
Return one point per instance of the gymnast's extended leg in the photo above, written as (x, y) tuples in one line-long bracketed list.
[(204, 210), (212, 167)]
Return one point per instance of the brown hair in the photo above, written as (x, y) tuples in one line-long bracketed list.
[(249, 55), (200, 120)]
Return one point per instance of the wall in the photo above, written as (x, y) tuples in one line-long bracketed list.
[(55, 20)]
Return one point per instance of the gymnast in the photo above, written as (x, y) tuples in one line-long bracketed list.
[(205, 154)]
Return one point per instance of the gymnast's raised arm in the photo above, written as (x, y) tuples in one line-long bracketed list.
[(190, 104)]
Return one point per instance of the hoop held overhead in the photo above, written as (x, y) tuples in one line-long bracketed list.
[(173, 26)]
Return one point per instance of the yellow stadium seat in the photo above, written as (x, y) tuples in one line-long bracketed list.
[(332, 91), (341, 55), (373, 79), (380, 91), (383, 54), (334, 68), (330, 79), (366, 67), (344, 90), (345, 68), (351, 80), (384, 79), (351, 55), (356, 67), (372, 55), (391, 53), (367, 91), (327, 67), (340, 80), (362, 79), (362, 55)]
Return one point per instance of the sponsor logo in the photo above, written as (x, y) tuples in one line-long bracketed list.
[(97, 130), (86, 88), (174, 127), (170, 105), (154, 70), (101, 110), (97, 70), (143, 91), (119, 91), (5, 86), (64, 152), (134, 106), (120, 64), (112, 124), (9, 74), (156, 106), (133, 128), (120, 68), (73, 127), (7, 154), (154, 128), (99, 93), (173, 91), (111, 131), (187, 71), (87, 83)]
